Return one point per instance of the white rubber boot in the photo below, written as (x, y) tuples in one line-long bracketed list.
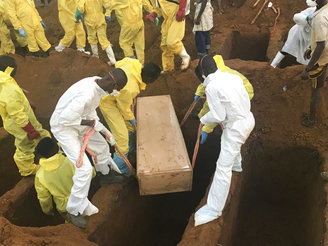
[(94, 50), (185, 59), (81, 49), (279, 56), (111, 56), (60, 47)]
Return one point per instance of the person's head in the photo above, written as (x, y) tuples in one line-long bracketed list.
[(206, 66), (198, 73), (311, 3), (115, 80), (150, 72), (47, 147), (8, 61)]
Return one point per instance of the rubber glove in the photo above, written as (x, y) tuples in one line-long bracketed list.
[(180, 16), (151, 17), (98, 126), (196, 98), (309, 18), (108, 18), (203, 137), (22, 32), (78, 15), (133, 122), (43, 25), (31, 132)]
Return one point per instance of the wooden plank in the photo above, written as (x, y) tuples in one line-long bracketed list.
[(163, 165)]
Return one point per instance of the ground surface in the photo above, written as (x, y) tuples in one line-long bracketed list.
[(279, 199)]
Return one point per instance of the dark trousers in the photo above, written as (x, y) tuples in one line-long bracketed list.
[(203, 42)]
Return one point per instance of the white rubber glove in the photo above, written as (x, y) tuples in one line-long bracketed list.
[(98, 126), (111, 139)]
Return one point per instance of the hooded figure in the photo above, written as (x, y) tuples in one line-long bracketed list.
[(229, 105), (18, 118), (117, 110), (201, 92)]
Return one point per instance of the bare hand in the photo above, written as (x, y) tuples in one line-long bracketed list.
[(197, 21)]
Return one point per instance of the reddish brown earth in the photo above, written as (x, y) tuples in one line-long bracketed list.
[(279, 198)]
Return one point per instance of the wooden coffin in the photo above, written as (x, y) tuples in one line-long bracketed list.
[(163, 165)]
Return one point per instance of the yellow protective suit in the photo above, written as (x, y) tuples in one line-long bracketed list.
[(66, 11), (201, 90), (54, 179), (116, 5), (7, 45), (23, 14), (119, 16), (132, 28), (16, 112), (94, 20), (20, 40), (172, 33), (117, 109)]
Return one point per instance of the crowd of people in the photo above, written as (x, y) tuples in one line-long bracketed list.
[(64, 173)]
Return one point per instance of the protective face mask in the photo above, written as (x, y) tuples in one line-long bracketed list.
[(115, 93), (311, 3)]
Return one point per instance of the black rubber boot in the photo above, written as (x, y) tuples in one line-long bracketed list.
[(78, 220), (36, 53)]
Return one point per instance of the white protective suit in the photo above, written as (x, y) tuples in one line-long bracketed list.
[(229, 104), (299, 36), (80, 102)]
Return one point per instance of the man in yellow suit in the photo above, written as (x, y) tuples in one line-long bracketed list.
[(201, 91), (66, 11), (95, 22), (54, 178), (132, 28), (117, 109), (18, 118), (173, 30), (26, 19), (7, 45)]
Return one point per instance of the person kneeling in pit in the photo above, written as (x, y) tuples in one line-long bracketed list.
[(54, 179)]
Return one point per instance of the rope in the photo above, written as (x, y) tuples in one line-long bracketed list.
[(188, 113), (87, 135), (196, 146)]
